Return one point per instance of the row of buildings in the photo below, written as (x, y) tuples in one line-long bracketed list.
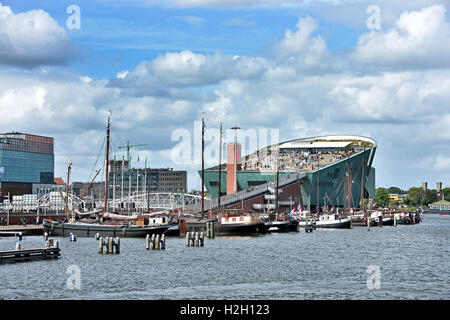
[(27, 166)]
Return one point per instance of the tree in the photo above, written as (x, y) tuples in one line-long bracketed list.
[(430, 197), (446, 192), (414, 197), (395, 190), (382, 197)]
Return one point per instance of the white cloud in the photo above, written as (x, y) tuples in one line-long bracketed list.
[(301, 49), (419, 39), (32, 38), (181, 69)]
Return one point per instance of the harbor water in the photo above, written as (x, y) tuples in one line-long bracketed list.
[(412, 260)]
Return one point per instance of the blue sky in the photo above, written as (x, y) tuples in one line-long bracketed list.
[(305, 68)]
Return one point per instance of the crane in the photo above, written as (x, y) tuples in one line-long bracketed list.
[(128, 147)]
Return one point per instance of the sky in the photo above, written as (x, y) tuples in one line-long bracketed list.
[(379, 69)]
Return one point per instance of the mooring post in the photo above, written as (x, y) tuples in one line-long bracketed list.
[(163, 242), (414, 218), (117, 243), (147, 242), (208, 229), (202, 239), (157, 242), (97, 236), (17, 245), (187, 239), (368, 224), (56, 244), (110, 245), (395, 221), (100, 245), (380, 221), (152, 243), (196, 239), (46, 236)]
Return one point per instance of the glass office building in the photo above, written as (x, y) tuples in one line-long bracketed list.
[(25, 159)]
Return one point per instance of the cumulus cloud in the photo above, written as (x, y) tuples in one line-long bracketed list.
[(298, 90), (186, 69), (419, 39), (301, 48), (32, 38)]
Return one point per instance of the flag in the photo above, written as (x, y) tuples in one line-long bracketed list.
[(299, 208), (291, 212)]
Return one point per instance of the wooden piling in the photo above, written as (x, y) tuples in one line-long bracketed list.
[(152, 242), (163, 242), (157, 242), (395, 221), (147, 242), (100, 245), (197, 239), (188, 239), (110, 245), (117, 244), (202, 239), (17, 245), (368, 224)]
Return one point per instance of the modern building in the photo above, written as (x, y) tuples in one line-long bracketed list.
[(335, 170), (25, 159), (142, 180)]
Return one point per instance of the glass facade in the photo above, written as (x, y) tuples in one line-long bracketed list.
[(26, 158)]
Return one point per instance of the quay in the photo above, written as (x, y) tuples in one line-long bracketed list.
[(31, 229), (18, 255)]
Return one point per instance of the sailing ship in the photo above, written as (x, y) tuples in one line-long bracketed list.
[(101, 221)]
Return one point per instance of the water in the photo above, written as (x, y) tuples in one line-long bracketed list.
[(325, 264)]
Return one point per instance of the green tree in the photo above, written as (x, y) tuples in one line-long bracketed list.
[(382, 197), (430, 197), (446, 192), (414, 197), (395, 190)]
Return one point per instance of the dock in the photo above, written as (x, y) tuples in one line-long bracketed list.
[(31, 229), (29, 254)]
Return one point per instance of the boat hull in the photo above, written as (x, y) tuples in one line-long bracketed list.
[(346, 224), (241, 229), (63, 229)]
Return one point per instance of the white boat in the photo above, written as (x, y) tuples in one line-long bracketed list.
[(333, 221)]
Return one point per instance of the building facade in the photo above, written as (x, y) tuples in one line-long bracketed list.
[(25, 160), (338, 170)]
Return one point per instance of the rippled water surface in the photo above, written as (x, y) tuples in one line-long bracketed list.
[(325, 264)]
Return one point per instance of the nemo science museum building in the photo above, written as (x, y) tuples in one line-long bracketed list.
[(335, 171)]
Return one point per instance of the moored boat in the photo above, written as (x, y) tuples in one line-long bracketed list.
[(333, 221), (240, 224), (82, 229)]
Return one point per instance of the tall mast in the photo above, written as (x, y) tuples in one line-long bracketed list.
[(69, 165), (349, 187), (318, 184), (203, 163), (363, 180), (107, 165), (220, 165), (277, 185)]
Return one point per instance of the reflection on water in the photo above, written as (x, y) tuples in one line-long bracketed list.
[(324, 264)]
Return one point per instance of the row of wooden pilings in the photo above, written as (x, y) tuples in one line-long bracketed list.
[(309, 226), (195, 239), (210, 231), (111, 244), (155, 242)]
